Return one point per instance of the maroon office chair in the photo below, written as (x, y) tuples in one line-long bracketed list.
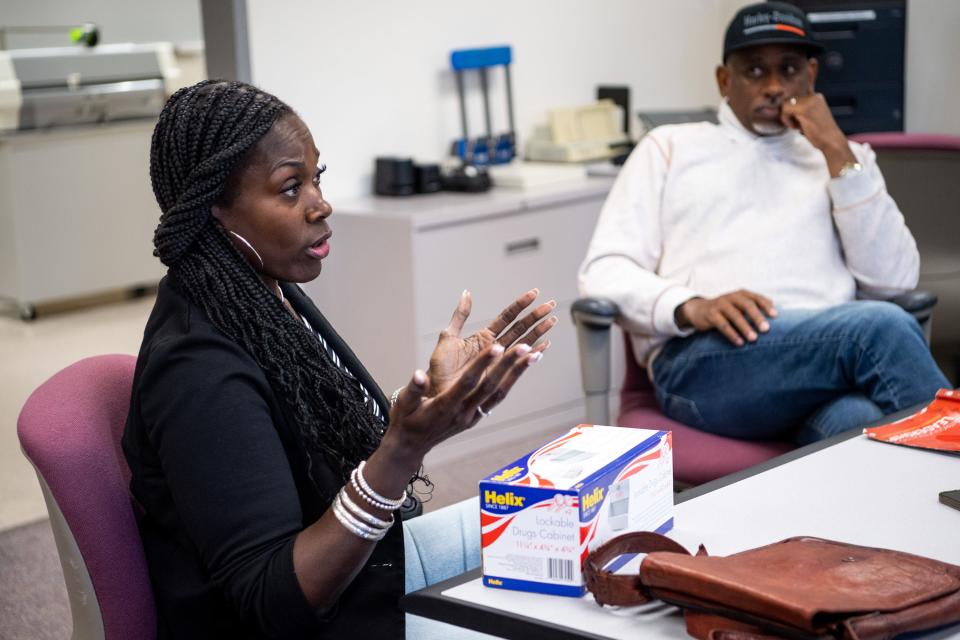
[(70, 430), (698, 456)]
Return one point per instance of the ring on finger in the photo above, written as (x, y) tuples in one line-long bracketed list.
[(483, 414)]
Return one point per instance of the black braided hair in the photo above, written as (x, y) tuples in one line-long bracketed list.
[(205, 136)]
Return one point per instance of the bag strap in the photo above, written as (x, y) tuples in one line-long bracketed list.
[(709, 626), (609, 588), (928, 615)]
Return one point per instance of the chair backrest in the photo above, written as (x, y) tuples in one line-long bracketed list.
[(70, 429), (921, 173)]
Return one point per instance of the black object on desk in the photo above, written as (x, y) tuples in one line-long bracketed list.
[(951, 498), (394, 177), (427, 178), (468, 178), (621, 97)]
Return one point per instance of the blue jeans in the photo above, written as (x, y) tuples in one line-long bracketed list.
[(440, 545), (814, 374)]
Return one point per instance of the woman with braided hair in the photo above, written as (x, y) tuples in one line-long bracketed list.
[(271, 470)]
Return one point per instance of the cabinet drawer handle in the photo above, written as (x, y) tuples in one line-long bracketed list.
[(523, 246)]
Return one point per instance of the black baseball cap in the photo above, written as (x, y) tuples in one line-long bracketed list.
[(769, 23)]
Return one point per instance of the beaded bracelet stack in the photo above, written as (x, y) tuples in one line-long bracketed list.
[(355, 518)]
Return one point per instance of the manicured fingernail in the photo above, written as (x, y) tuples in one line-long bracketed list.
[(535, 358), (773, 313), (764, 326), (419, 377), (535, 291), (553, 320), (739, 342), (523, 349), (465, 293), (497, 349), (553, 304), (751, 336)]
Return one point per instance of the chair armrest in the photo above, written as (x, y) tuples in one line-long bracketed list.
[(593, 317), (916, 301), (919, 304), (599, 313)]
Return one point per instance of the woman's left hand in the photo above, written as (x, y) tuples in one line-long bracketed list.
[(454, 353)]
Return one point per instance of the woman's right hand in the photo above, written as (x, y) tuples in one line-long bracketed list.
[(418, 423), (510, 328)]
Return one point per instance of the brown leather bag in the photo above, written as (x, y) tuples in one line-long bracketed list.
[(798, 588)]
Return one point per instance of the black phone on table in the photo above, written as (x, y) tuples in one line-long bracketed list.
[(951, 498)]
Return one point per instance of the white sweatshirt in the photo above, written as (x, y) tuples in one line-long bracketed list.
[(702, 210)]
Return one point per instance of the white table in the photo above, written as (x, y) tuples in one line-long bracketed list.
[(847, 488)]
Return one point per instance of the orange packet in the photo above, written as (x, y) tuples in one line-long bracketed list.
[(936, 426)]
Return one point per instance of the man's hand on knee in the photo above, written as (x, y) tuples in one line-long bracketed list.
[(737, 315)]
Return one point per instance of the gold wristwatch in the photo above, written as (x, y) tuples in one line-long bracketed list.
[(850, 168)]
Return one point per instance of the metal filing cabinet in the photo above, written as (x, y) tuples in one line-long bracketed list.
[(862, 70)]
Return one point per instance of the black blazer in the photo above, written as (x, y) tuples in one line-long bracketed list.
[(219, 471)]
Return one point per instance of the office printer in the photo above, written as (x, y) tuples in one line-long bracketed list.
[(76, 209), (579, 134), (59, 86)]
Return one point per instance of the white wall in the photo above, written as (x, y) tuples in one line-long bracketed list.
[(372, 78), (174, 21), (933, 66)]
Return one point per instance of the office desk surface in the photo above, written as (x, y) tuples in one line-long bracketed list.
[(428, 211), (856, 490)]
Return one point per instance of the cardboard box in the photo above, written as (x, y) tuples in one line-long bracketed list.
[(540, 515)]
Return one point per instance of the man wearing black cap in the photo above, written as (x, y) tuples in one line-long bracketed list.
[(761, 41), (736, 252)]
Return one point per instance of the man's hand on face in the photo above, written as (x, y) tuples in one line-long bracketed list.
[(811, 115), (738, 315)]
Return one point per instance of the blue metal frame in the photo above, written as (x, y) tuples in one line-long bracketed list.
[(487, 149), (480, 58)]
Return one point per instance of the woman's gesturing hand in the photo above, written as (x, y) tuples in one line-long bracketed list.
[(419, 422), (468, 377), (454, 353)]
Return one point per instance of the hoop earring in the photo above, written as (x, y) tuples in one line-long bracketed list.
[(250, 246), (247, 242)]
